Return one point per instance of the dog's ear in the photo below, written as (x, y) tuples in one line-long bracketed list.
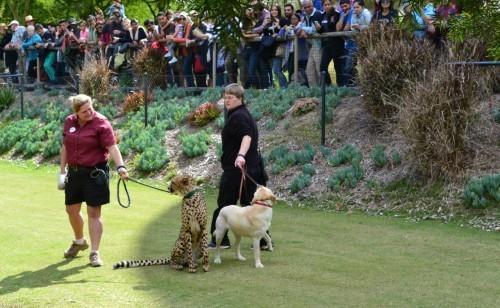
[(185, 179)]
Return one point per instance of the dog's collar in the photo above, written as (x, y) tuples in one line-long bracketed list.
[(263, 203), (191, 193)]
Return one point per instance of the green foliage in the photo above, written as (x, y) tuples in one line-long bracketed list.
[(271, 124), (108, 110), (53, 92), (395, 158), (309, 169), (139, 138), (220, 121), (40, 141), (7, 97), (325, 151), (15, 132), (378, 156), (348, 153), (496, 115), (300, 182), (478, 21), (346, 177), (305, 156), (278, 152), (171, 93), (153, 158), (284, 158), (483, 192), (195, 144)]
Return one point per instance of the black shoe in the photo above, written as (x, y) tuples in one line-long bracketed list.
[(264, 247), (212, 245), (224, 245)]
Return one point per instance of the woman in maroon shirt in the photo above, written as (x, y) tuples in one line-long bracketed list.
[(88, 142)]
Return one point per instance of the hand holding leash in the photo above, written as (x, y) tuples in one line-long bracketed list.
[(240, 161), (122, 171), (61, 181)]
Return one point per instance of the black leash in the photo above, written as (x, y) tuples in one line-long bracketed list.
[(127, 193)]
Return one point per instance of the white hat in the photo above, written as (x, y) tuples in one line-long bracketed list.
[(14, 22)]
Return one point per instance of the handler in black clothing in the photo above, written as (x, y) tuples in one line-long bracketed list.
[(240, 139)]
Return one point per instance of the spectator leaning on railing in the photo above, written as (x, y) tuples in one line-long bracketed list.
[(332, 47), (12, 48), (311, 18), (31, 53)]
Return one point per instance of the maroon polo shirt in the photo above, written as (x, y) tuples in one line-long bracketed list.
[(87, 145)]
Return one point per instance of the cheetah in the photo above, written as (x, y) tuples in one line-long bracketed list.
[(192, 242)]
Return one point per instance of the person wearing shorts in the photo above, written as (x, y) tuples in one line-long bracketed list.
[(88, 142)]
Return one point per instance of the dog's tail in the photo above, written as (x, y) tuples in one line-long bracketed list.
[(141, 263)]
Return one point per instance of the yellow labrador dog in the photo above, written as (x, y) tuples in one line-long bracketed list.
[(250, 221)]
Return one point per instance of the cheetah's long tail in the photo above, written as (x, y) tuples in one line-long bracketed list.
[(141, 263)]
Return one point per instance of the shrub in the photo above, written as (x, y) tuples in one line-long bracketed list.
[(203, 114), (378, 156), (308, 169), (483, 192), (496, 115), (95, 79), (348, 177), (16, 131), (195, 144), (325, 151), (436, 116), (220, 121), (278, 152), (53, 92), (395, 158), (348, 153), (150, 61), (300, 182), (303, 106), (305, 156), (271, 124), (389, 60), (133, 102), (153, 158), (7, 97)]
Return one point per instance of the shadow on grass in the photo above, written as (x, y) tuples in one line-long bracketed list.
[(44, 277)]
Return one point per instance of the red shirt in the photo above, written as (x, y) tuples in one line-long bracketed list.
[(87, 145)]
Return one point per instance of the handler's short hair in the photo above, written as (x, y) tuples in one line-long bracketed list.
[(78, 101), (236, 90)]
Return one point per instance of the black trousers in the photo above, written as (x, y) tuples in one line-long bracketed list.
[(329, 54), (229, 190)]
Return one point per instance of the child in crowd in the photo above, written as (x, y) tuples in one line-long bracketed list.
[(179, 33)]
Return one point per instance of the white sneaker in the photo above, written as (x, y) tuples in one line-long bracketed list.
[(95, 259), (173, 60)]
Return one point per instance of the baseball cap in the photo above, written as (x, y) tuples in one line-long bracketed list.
[(14, 22)]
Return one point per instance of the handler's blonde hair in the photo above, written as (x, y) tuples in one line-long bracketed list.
[(78, 101)]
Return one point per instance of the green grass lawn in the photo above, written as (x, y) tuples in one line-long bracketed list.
[(322, 259)]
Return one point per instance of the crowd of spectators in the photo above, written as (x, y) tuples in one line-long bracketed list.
[(264, 58)]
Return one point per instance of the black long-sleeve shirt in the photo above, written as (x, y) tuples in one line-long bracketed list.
[(239, 123)]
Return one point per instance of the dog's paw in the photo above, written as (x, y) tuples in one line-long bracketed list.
[(259, 265), (241, 258), (217, 260)]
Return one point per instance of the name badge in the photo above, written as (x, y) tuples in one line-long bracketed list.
[(72, 129)]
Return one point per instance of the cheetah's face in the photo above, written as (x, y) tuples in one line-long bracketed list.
[(182, 184)]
